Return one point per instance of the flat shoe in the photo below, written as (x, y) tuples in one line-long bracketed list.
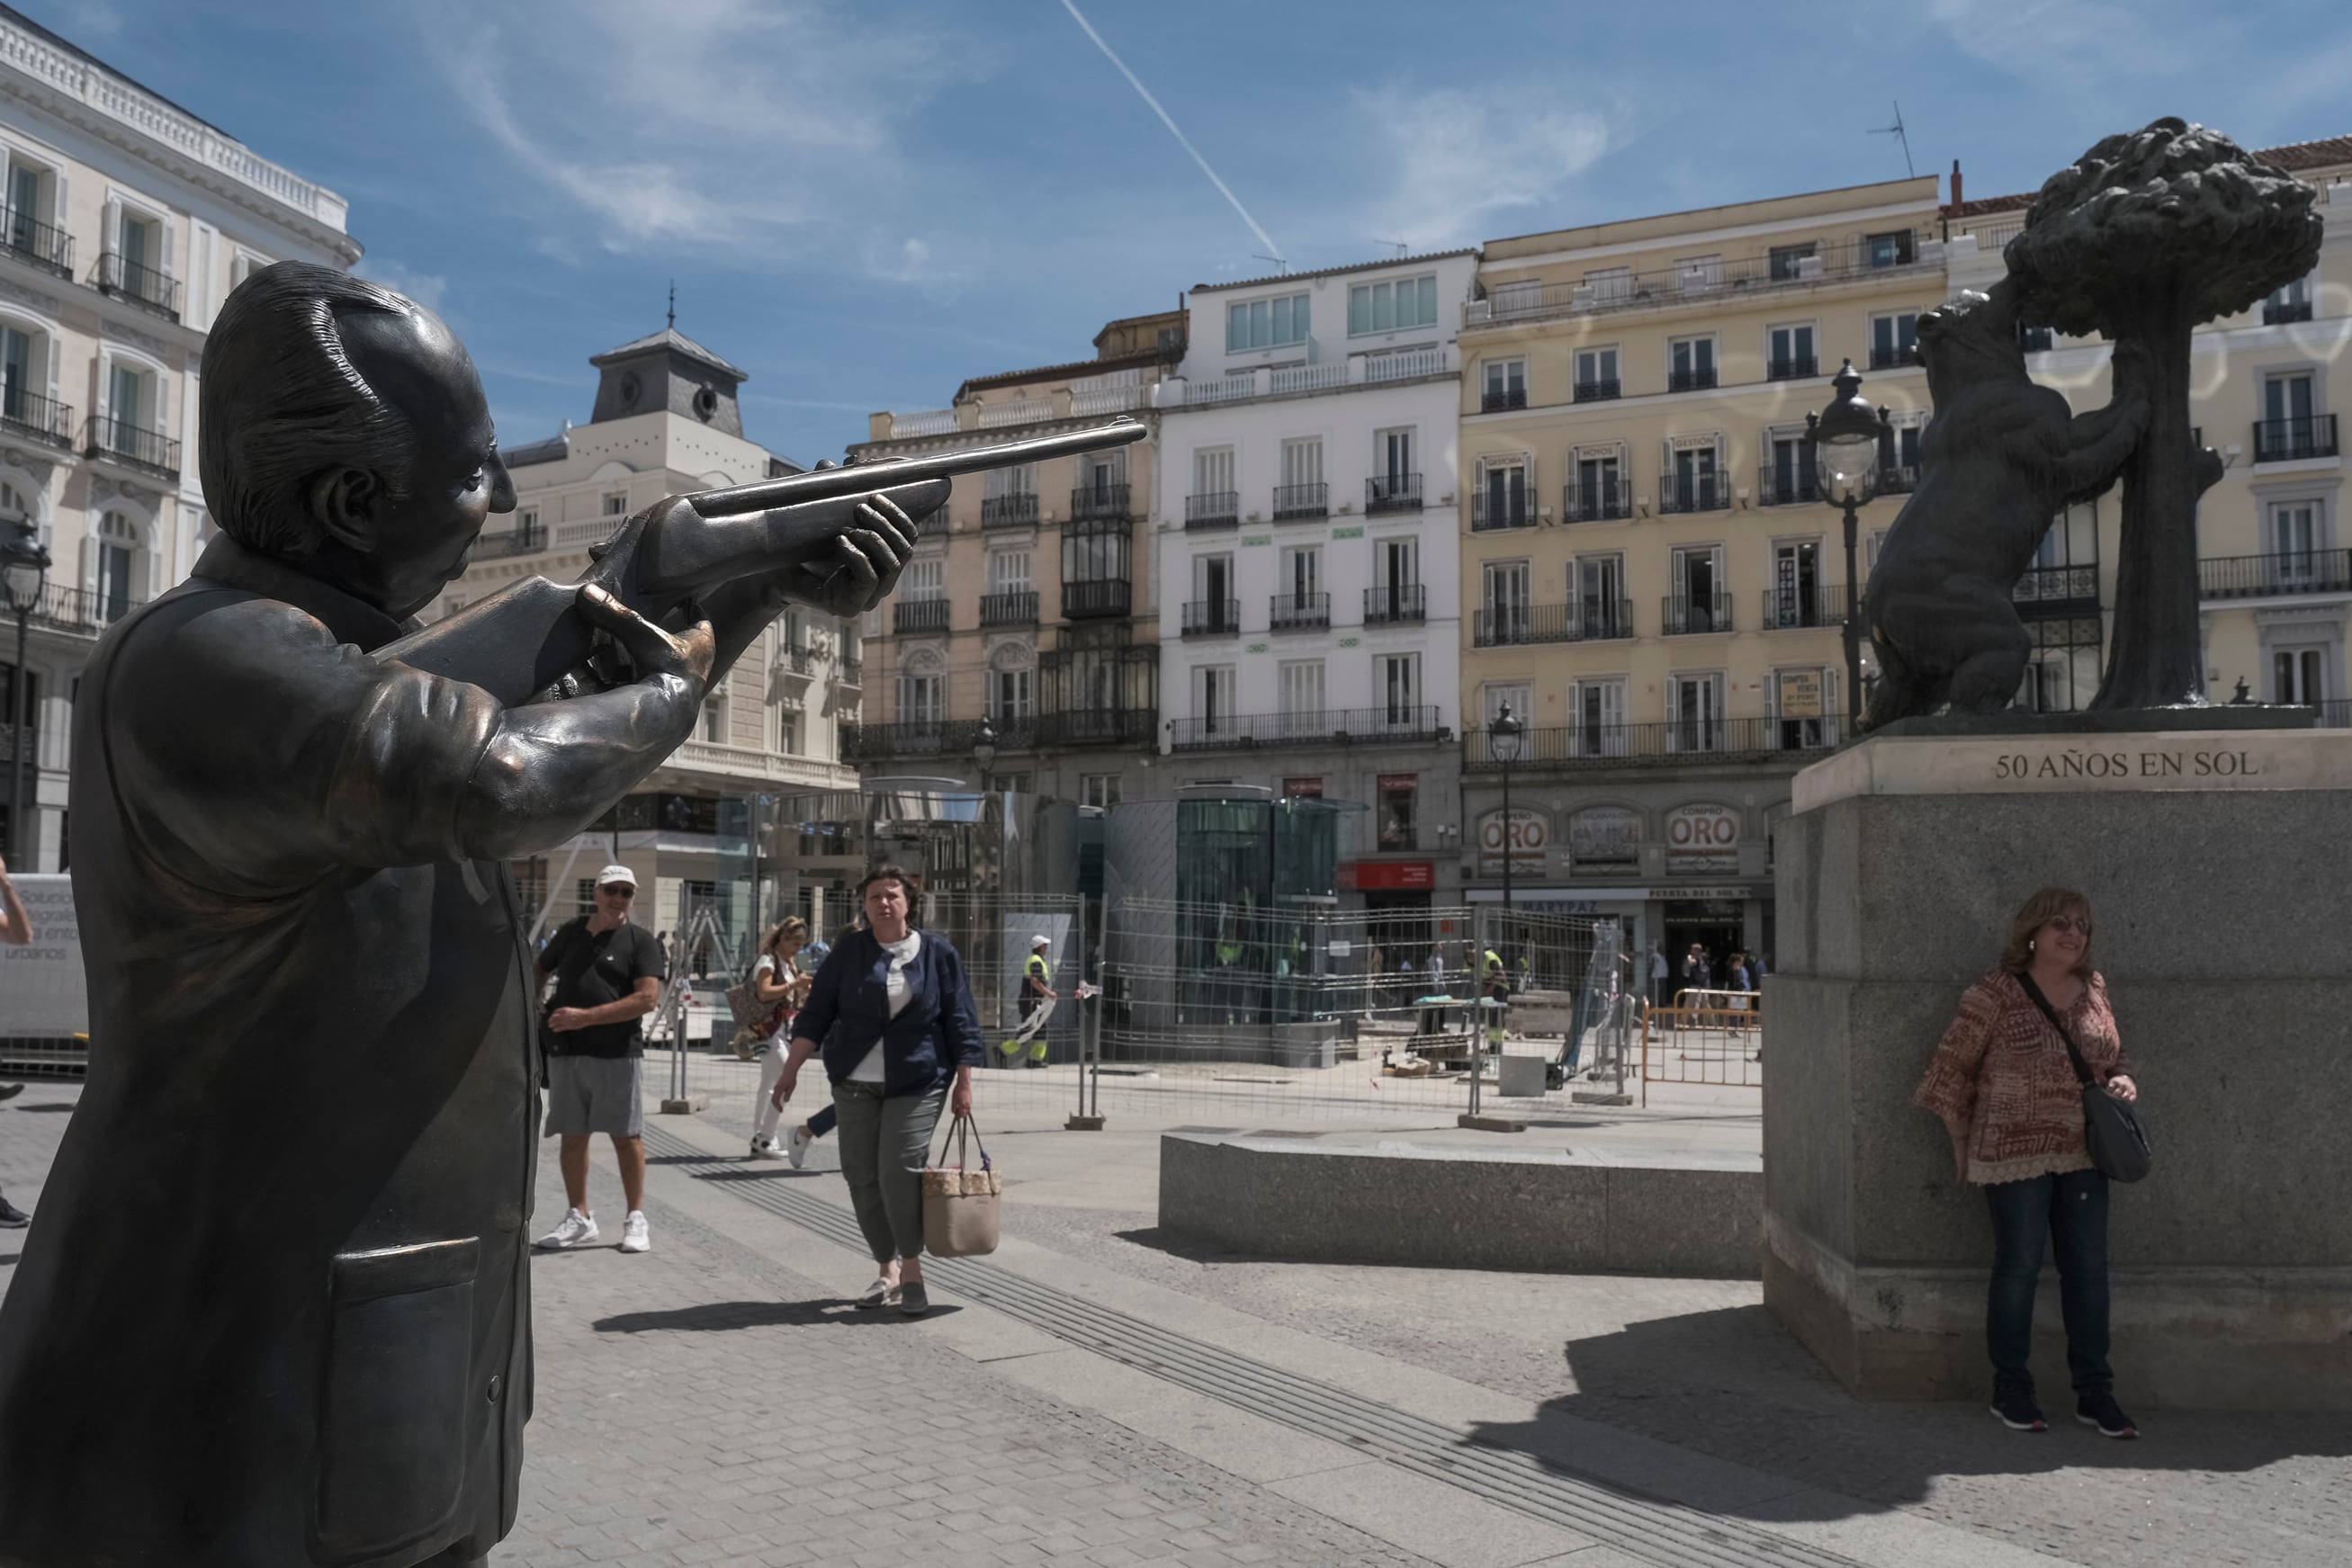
[(913, 1300), (881, 1293)]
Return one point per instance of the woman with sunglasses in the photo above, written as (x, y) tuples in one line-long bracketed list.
[(2005, 1087)]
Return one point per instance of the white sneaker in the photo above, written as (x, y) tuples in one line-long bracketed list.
[(633, 1238), (765, 1149), (801, 1138), (577, 1230)]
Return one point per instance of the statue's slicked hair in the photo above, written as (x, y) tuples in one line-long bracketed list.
[(282, 404)]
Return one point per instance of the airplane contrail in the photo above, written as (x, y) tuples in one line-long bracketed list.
[(1145, 93)]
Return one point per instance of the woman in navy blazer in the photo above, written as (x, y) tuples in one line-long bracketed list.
[(893, 1015)]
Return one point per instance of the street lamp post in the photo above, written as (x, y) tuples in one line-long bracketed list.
[(24, 564), (1503, 738), (989, 882), (1845, 438)]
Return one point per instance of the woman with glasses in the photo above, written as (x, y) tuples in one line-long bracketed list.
[(2005, 1087)]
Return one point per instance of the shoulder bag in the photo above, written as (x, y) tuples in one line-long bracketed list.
[(2112, 1131), (959, 1204)]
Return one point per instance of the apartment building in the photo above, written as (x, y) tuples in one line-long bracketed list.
[(1024, 605), (1654, 582), (666, 421), (124, 221), (1304, 528)]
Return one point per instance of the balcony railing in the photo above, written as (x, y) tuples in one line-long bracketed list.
[(931, 524), (1493, 401), (1789, 608), (1700, 379), (1321, 726), (1491, 510), (1099, 727), (1706, 494), (1091, 598), (1675, 741), (140, 284), (795, 660), (1607, 502), (1780, 487), (1893, 356), (1599, 389), (37, 244), (947, 737), (1017, 511), (1294, 502), (523, 539), (117, 440), (1396, 604), (919, 615), (78, 611), (849, 673), (1017, 608), (1756, 274), (2285, 440), (1212, 617), (1299, 613), (1214, 509), (1392, 492), (1897, 479), (2276, 313), (1696, 615), (2056, 590), (40, 418), (1090, 503), (1791, 369), (2284, 573), (1581, 620)]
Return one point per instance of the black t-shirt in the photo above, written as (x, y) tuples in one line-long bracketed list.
[(592, 971)]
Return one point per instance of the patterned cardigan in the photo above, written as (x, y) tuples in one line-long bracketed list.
[(2001, 1080)]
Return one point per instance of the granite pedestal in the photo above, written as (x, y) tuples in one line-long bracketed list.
[(2216, 868)]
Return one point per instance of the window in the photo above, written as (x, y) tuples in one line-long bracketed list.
[(1610, 285), (1788, 354), (1517, 695), (132, 412), (1212, 471), (1795, 599), (526, 519), (1898, 453), (1212, 577), (30, 197), (714, 718), (1893, 338), (1596, 374), (117, 556), (24, 366), (616, 506), (925, 578), (788, 734), (1266, 323), (1212, 698), (1690, 364), (1302, 576), (1008, 572), (1300, 681), (1095, 552), (1785, 259), (1302, 464), (1008, 689), (1505, 385), (1098, 790), (1502, 498), (138, 250), (1502, 595), (1698, 605), (923, 697), (1693, 481), (1805, 702), (1698, 274), (1788, 473), (2288, 302), (1398, 679), (2295, 541), (1396, 480), (2298, 676), (1597, 717), (1520, 298), (1392, 307), (1695, 713), (1396, 563), (1601, 605), (2288, 430), (1892, 249), (1399, 793), (1021, 479), (1599, 492)]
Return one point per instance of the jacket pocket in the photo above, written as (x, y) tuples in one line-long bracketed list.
[(392, 1402)]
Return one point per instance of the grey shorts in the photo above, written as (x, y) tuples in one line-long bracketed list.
[(596, 1094)]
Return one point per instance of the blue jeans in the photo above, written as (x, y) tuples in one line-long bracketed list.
[(2071, 1212)]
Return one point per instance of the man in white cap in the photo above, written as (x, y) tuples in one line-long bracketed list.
[(1038, 997), (608, 974)]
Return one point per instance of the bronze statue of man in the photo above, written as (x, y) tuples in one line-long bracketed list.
[(276, 1310)]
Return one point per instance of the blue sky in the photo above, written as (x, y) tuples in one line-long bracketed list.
[(863, 202)]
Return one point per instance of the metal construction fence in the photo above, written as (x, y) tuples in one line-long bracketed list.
[(1706, 1036)]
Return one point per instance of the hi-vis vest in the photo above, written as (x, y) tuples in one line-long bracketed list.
[(1493, 962), (1036, 968)]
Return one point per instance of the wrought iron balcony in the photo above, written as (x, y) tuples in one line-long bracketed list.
[(1792, 609), (1092, 502), (1015, 511), (795, 660), (1392, 492), (1396, 604), (1777, 486), (1699, 380), (943, 737), (2282, 574), (1090, 598), (1893, 356), (1494, 400), (80, 612), (1017, 608), (1707, 493), (1319, 727), (1599, 389), (40, 418), (1212, 617), (1896, 479), (1214, 509), (122, 443), (1491, 510), (1697, 615), (849, 673), (1299, 613), (1580, 620), (919, 615), (1607, 502), (2048, 590), (1099, 727), (1293, 503), (142, 285), (2279, 313), (1791, 369), (523, 539), (2285, 440), (1758, 273), (1677, 742), (37, 244)]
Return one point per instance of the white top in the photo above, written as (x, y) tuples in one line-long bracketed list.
[(1657, 965), (872, 1069)]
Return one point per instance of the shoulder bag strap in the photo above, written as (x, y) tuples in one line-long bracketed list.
[(2082, 1073)]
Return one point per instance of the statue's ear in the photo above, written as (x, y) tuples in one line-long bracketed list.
[(344, 502)]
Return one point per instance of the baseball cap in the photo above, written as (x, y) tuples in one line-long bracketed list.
[(1041, 942), (612, 873)]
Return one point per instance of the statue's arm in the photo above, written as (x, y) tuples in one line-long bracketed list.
[(2097, 444), (547, 770)]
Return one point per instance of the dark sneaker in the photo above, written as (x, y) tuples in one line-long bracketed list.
[(2017, 1410), (913, 1300), (2101, 1410), (12, 1217)]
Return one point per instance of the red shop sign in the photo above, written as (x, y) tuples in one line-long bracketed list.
[(1395, 876)]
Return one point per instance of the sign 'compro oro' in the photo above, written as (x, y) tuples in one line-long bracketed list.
[(1702, 840), (2052, 765), (1530, 836)]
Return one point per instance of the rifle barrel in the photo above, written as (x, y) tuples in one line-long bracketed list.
[(856, 478)]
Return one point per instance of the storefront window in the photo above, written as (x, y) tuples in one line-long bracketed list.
[(1398, 791)]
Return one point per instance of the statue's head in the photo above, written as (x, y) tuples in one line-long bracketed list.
[(345, 430), (1972, 338)]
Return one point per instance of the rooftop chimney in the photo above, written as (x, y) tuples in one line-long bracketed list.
[(1955, 208)]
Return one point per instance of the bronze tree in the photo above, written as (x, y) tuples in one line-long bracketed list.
[(2146, 235)]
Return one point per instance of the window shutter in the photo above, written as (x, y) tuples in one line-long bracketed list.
[(110, 237)]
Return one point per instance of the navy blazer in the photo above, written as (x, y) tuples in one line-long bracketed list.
[(848, 1009)]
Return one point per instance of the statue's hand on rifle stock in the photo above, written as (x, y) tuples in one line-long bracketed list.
[(863, 565)]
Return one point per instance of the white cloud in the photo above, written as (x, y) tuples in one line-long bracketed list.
[(428, 288), (1459, 158), (2072, 44)]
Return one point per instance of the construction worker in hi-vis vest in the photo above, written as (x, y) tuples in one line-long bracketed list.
[(1496, 988), (1037, 998)]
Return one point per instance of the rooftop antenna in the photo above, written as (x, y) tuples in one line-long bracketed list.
[(673, 303), (1275, 259), (1403, 247), (1896, 131)]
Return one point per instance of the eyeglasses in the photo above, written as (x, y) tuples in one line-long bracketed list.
[(2069, 923), (618, 890)]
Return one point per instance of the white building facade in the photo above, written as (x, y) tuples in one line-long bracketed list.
[(124, 221), (1307, 569)]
